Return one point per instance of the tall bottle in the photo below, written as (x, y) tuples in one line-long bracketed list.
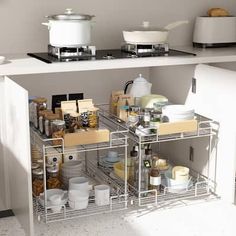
[(134, 165), (146, 165), (155, 177)]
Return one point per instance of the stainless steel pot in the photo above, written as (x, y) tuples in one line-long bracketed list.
[(69, 29), (148, 35)]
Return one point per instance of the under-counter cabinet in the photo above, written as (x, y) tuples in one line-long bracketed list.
[(15, 132)]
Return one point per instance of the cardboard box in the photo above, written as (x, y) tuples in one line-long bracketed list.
[(178, 127), (89, 136)]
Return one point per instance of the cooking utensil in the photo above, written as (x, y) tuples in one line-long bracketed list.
[(69, 29), (149, 35)]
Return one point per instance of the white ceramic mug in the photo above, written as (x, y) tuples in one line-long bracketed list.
[(102, 195)]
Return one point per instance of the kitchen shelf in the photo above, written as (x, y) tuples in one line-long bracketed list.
[(201, 187), (205, 127), (118, 200), (21, 64)]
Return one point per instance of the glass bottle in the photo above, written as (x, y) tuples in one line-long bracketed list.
[(134, 166), (155, 177), (146, 118)]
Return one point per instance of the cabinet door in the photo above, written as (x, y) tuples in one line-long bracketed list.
[(215, 98), (15, 142)]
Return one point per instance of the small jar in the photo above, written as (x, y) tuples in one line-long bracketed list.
[(38, 173), (73, 122), (34, 166), (93, 119), (49, 118), (37, 186), (39, 104), (158, 106), (155, 121), (53, 172), (42, 115), (146, 118), (53, 177), (58, 131)]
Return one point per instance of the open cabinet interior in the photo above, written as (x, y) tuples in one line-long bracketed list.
[(98, 86)]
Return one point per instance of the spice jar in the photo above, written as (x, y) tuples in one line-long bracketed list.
[(155, 121), (58, 131), (37, 185), (49, 118), (53, 177), (34, 166), (39, 104), (42, 115), (73, 122), (93, 119)]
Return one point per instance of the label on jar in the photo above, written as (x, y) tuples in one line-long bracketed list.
[(155, 180)]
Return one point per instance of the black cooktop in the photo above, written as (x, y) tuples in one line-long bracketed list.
[(107, 55)]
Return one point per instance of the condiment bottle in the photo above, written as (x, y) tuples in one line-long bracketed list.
[(134, 165), (146, 118), (155, 177)]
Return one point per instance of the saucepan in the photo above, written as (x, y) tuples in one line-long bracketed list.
[(150, 35), (69, 29)]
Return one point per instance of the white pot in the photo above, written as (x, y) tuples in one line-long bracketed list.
[(69, 29)]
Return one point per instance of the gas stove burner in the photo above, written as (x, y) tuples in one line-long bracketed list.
[(71, 52), (146, 50), (108, 56)]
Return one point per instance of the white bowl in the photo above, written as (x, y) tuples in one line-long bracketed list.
[(79, 183), (79, 205), (78, 195), (177, 110), (176, 186), (52, 201), (2, 59)]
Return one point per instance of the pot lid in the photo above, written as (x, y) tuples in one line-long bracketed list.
[(70, 15)]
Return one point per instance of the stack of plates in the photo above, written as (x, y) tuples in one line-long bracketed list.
[(172, 113), (69, 170)]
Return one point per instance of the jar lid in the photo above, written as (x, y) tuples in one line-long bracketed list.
[(52, 169), (70, 15), (38, 171), (35, 166), (59, 122), (52, 116), (40, 100)]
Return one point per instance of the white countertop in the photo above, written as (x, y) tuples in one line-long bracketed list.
[(22, 64)]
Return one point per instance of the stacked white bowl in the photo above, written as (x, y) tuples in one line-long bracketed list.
[(79, 193), (70, 170), (172, 113)]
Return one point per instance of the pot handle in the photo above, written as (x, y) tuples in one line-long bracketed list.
[(175, 24), (47, 24), (127, 84)]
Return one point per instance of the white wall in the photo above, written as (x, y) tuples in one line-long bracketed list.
[(21, 29)]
